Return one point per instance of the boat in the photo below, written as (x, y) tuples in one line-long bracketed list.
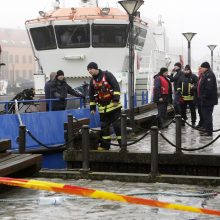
[(70, 38)]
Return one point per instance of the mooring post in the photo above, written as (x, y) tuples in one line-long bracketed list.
[(123, 132), (178, 120), (154, 151), (22, 139), (85, 148), (70, 135)]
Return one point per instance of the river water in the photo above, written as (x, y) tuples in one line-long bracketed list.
[(27, 204)]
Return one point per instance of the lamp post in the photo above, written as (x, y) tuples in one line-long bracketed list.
[(212, 47), (131, 7), (189, 36)]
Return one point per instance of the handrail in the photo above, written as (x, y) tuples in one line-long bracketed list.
[(40, 101)]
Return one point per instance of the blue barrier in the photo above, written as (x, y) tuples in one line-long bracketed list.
[(45, 126)]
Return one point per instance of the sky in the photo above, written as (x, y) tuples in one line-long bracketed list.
[(199, 16)]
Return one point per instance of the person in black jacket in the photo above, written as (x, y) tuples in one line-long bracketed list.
[(174, 77), (59, 90), (47, 89), (104, 92), (207, 92), (186, 87), (162, 95)]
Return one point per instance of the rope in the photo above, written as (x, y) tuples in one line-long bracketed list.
[(186, 149), (198, 129)]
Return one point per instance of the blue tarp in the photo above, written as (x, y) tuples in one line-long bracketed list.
[(47, 127)]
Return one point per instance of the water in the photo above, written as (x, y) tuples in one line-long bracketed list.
[(26, 204)]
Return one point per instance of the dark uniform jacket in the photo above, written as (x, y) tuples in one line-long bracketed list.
[(207, 89), (110, 78), (60, 89), (184, 83), (157, 90)]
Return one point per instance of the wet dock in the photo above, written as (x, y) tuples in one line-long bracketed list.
[(201, 166), (12, 164)]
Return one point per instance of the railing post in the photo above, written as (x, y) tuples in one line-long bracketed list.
[(142, 98), (178, 120), (70, 135), (123, 132), (22, 139), (125, 101), (85, 148), (154, 152), (135, 99)]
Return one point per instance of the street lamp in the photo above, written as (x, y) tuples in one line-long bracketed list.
[(131, 7), (189, 36), (212, 47)]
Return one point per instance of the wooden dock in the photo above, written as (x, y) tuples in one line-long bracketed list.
[(12, 164)]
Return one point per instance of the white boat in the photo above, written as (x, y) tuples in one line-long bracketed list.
[(70, 38)]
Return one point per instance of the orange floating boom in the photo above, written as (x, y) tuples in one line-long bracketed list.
[(98, 194)]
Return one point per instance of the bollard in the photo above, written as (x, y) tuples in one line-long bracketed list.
[(70, 135), (22, 139), (85, 148), (123, 132), (178, 120), (154, 152)]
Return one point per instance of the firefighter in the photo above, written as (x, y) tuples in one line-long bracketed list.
[(187, 86), (104, 91)]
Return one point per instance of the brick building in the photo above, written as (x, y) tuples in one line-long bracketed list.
[(17, 55)]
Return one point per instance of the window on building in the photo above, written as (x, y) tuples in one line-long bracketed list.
[(16, 59), (11, 60), (109, 35), (43, 38), (24, 60), (73, 36), (30, 59)]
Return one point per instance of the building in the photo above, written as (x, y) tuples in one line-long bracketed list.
[(18, 57)]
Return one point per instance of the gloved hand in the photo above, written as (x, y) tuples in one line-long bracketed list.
[(62, 98)]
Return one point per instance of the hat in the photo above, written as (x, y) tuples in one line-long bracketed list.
[(187, 67), (205, 65), (163, 70), (60, 73), (178, 64), (92, 65)]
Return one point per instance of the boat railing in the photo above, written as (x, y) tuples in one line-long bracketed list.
[(9, 106)]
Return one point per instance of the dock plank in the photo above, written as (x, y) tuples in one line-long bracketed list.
[(18, 162)]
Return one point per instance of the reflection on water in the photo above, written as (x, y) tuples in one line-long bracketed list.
[(26, 204)]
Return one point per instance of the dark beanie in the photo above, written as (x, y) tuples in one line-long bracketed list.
[(178, 64), (162, 71), (92, 65), (60, 73), (205, 65), (187, 67)]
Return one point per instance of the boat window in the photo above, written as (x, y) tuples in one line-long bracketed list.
[(139, 37), (43, 38), (109, 35), (73, 36)]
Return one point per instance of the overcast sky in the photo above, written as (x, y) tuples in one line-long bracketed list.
[(200, 16)]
